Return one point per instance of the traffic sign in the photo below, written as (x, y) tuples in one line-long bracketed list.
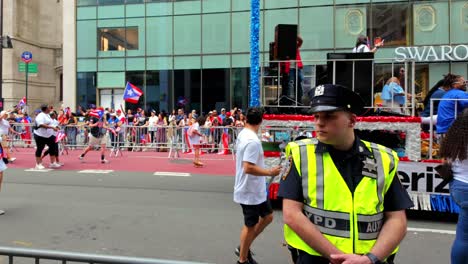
[(32, 67), (26, 57)]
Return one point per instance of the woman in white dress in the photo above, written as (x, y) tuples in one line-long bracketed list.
[(195, 137)]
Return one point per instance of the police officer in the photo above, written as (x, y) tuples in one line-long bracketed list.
[(342, 199)]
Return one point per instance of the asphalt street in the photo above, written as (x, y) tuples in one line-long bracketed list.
[(178, 216)]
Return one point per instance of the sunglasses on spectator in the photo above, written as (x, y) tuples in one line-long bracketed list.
[(465, 82)]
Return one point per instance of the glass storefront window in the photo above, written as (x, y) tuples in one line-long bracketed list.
[(240, 81), (390, 22), (215, 89), (187, 89), (85, 89), (118, 38), (158, 87)]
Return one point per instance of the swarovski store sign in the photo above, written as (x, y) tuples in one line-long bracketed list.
[(432, 53)]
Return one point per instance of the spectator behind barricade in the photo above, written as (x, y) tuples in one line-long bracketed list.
[(172, 124), (453, 103), (161, 133), (207, 128), (241, 121), (113, 123), (363, 45), (436, 93), (223, 114), (142, 132), (71, 129), (5, 129), (26, 134), (130, 117), (229, 124), (393, 96), (454, 149), (152, 126)]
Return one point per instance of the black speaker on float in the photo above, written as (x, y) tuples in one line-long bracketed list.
[(286, 41), (272, 50), (344, 72)]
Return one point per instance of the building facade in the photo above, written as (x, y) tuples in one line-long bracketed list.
[(34, 26), (195, 53)]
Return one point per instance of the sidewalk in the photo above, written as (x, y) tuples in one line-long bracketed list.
[(150, 161)]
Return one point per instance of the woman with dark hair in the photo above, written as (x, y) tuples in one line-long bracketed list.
[(454, 149), (436, 92), (363, 45)]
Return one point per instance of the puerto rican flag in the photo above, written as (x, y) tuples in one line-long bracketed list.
[(21, 103), (98, 113), (60, 135), (132, 93)]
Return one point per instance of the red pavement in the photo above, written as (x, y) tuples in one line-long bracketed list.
[(150, 161)]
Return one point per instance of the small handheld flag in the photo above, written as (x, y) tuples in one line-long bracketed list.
[(132, 93), (21, 103), (98, 113)]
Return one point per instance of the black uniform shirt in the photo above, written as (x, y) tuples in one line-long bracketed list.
[(349, 164)]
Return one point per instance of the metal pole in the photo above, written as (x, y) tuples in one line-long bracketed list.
[(27, 71)]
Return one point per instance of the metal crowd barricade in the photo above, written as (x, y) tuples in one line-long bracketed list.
[(64, 256), (135, 138), (219, 139)]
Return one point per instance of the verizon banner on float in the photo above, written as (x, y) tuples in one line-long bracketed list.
[(421, 177)]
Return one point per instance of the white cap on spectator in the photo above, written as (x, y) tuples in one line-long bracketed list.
[(3, 113)]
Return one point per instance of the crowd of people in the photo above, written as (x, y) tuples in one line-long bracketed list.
[(97, 127)]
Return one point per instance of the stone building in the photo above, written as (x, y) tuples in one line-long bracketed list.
[(34, 26)]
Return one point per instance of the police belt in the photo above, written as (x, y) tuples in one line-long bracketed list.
[(338, 223)]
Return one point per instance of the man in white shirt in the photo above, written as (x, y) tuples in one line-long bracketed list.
[(250, 185)]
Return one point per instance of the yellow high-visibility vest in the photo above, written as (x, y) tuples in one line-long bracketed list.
[(350, 221)]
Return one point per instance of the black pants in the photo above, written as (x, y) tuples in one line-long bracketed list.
[(41, 142)]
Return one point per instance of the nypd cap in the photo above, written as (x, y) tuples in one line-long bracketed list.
[(331, 97)]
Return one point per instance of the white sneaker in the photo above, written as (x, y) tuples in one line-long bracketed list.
[(54, 166), (12, 159), (104, 161), (2, 212), (39, 167)]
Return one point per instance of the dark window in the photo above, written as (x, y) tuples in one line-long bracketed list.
[(240, 87), (137, 78), (86, 89), (118, 38), (215, 89), (158, 87), (390, 22), (187, 89)]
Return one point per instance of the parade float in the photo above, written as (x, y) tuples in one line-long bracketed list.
[(427, 189)]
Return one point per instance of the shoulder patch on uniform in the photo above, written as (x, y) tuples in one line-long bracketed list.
[(288, 165)]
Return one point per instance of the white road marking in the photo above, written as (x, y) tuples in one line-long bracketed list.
[(37, 170), (96, 171), (427, 230), (175, 174)]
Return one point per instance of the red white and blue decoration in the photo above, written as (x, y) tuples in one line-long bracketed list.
[(21, 103), (132, 93), (97, 113)]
